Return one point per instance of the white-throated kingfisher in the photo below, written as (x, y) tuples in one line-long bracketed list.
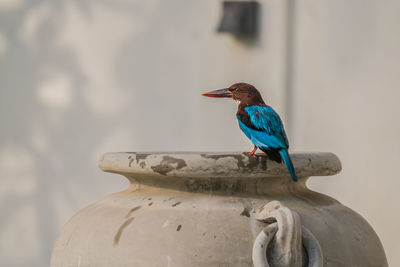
[(259, 122)]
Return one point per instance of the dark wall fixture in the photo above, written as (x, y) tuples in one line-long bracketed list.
[(240, 18)]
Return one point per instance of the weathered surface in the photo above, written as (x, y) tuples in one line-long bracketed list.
[(217, 164), (202, 213)]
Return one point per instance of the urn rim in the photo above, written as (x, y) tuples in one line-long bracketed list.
[(216, 164)]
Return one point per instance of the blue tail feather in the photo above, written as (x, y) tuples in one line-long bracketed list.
[(286, 159)]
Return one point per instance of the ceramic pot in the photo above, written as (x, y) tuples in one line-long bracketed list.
[(191, 209)]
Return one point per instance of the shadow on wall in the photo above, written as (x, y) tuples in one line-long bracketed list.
[(46, 127), (81, 77)]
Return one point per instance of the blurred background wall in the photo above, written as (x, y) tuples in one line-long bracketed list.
[(82, 77)]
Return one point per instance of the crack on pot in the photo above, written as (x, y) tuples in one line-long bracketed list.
[(167, 164), (168, 199), (132, 210), (176, 204), (246, 212), (247, 208), (117, 236)]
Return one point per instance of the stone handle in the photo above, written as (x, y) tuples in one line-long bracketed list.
[(281, 242)]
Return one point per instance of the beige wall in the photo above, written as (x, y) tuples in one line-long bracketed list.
[(79, 78), (346, 84)]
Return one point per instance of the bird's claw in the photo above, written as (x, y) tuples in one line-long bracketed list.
[(250, 154)]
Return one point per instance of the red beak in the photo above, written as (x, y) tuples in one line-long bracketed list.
[(219, 93)]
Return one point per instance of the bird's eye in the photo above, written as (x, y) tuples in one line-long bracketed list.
[(237, 90)]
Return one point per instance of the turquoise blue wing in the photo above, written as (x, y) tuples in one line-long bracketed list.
[(263, 127)]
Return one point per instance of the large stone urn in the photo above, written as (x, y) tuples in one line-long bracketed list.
[(192, 209)]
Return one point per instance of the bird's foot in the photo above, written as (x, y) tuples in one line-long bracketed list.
[(252, 154)]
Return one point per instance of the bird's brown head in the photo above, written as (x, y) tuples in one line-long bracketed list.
[(245, 94)]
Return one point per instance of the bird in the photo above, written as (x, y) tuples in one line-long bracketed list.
[(259, 122)]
